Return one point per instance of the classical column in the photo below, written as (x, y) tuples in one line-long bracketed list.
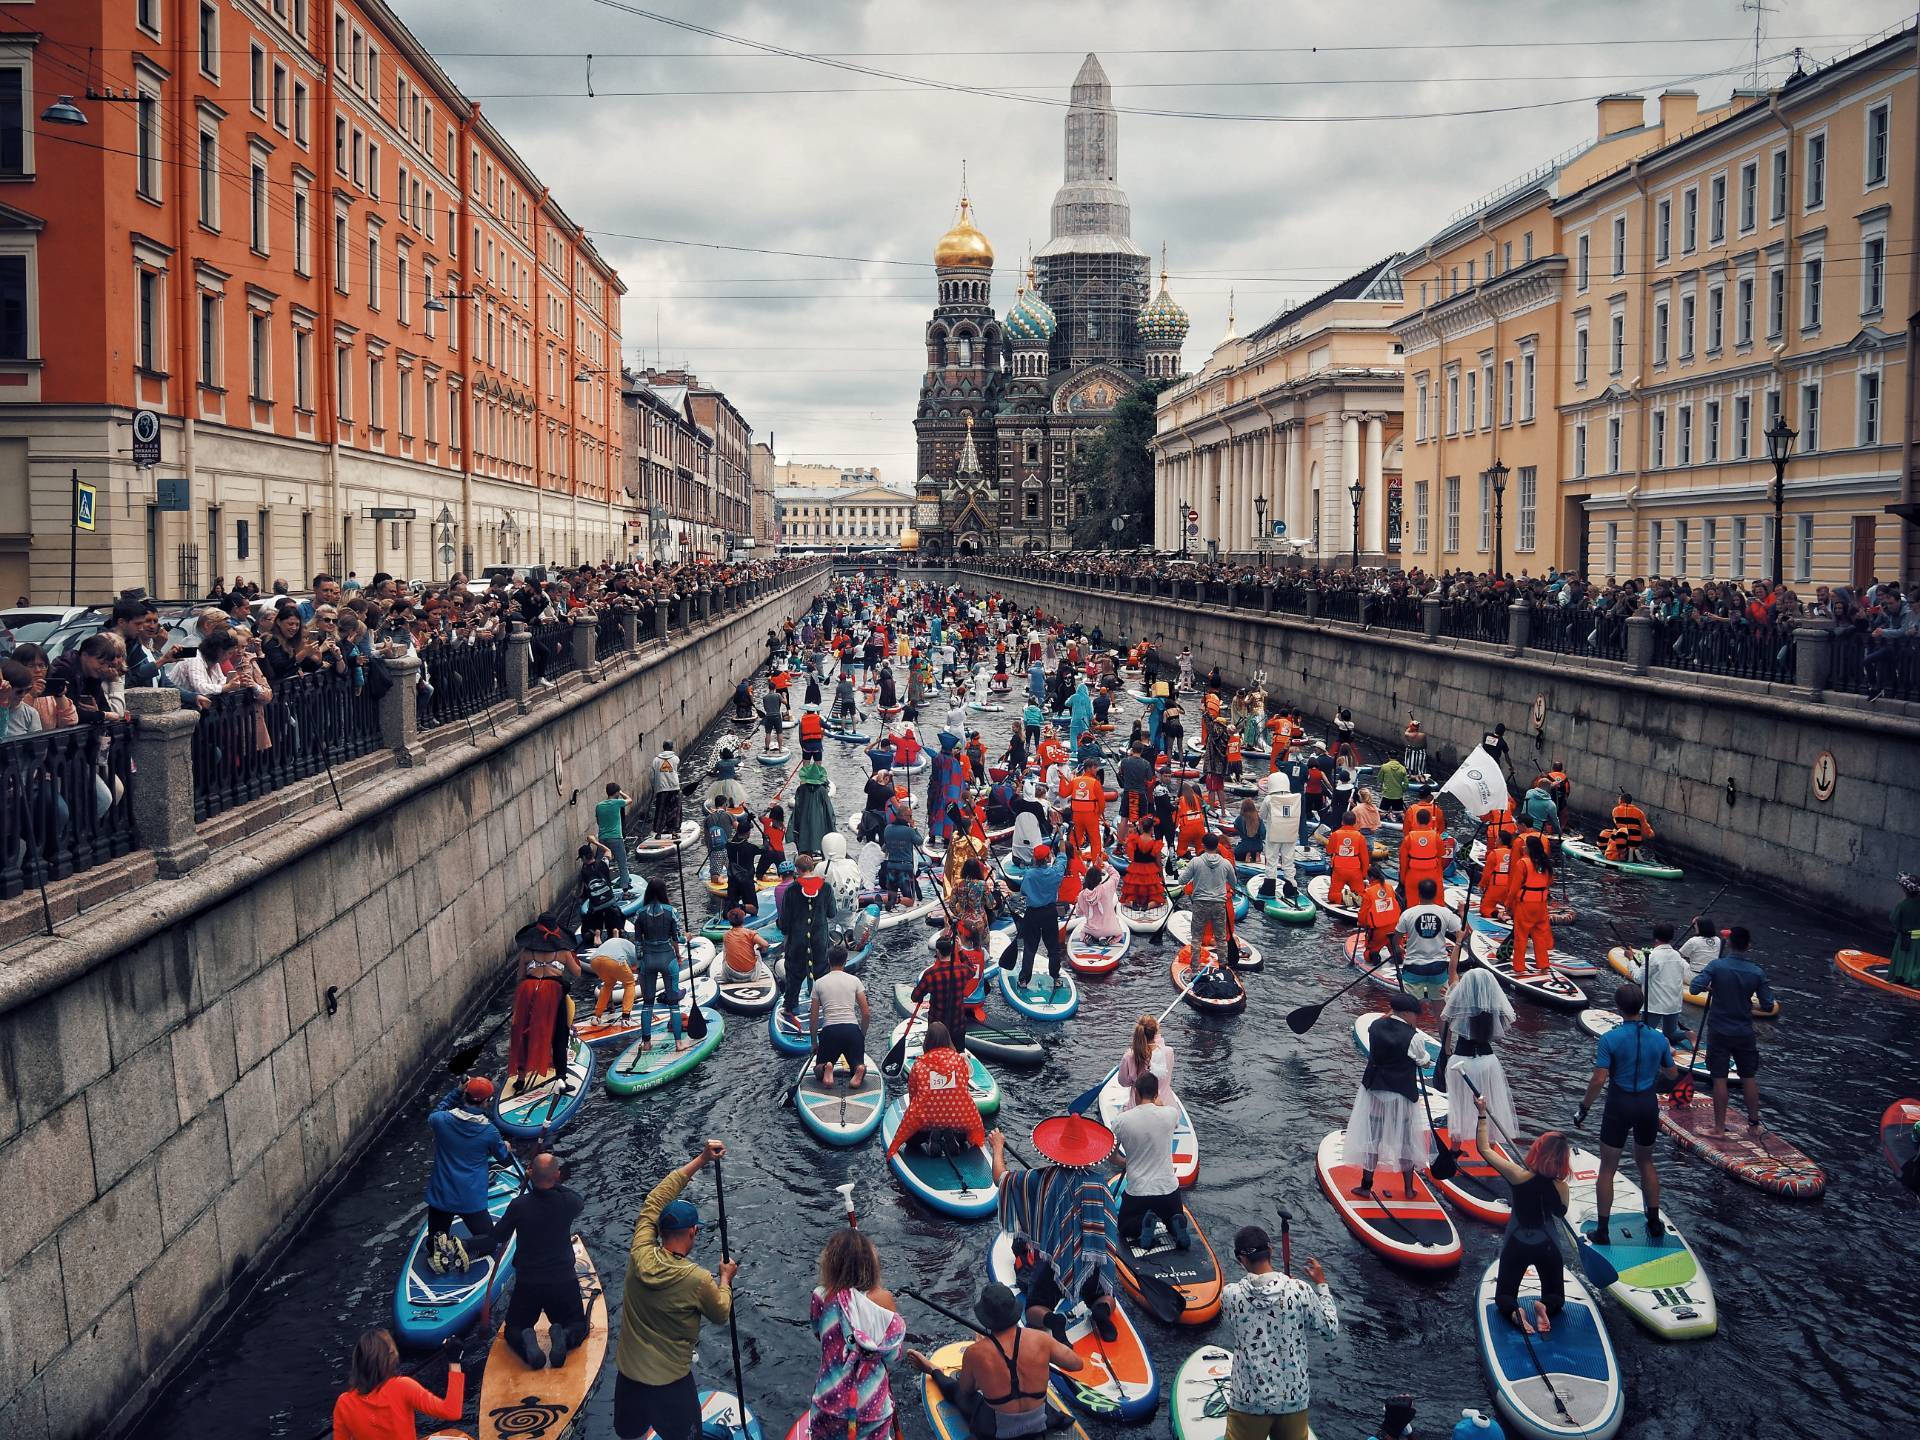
[(1211, 497), (1374, 539), (1349, 472), (1299, 523)]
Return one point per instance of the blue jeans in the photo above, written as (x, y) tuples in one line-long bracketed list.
[(660, 964), (618, 844)]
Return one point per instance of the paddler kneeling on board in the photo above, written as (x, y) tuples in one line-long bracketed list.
[(1629, 831), (465, 1141), (1001, 1386), (1387, 1130), (1265, 1319), (542, 1011), (544, 1282), (941, 1116), (1538, 1194), (1051, 1212)]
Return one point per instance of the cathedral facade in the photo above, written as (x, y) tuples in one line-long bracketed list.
[(1008, 403)]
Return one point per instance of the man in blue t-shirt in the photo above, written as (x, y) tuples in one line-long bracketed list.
[(1734, 986), (1631, 1060)]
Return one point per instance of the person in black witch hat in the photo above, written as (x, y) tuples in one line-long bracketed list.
[(542, 1012), (1051, 1212), (1387, 1129)]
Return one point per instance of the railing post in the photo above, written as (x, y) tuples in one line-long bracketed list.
[(400, 710), (630, 629), (1519, 627), (162, 793), (1640, 642), (661, 616), (1313, 604), (1267, 597), (585, 642), (703, 604), (519, 662), (1430, 616), (1812, 656)]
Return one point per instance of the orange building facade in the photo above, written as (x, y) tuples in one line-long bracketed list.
[(371, 336)]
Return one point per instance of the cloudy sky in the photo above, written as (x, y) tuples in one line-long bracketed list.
[(1311, 140)]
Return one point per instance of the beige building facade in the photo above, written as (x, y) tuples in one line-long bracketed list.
[(868, 517)]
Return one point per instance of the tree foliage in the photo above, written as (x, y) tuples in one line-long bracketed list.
[(1116, 474)]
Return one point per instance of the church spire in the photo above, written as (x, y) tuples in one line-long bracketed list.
[(1091, 202)]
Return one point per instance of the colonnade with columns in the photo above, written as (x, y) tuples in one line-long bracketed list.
[(1219, 472)]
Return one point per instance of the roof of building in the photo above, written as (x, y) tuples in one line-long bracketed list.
[(1379, 281)]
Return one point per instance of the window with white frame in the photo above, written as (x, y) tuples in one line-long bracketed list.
[(209, 340), (1717, 210), (260, 354), (210, 39), (1776, 302), (1421, 518), (1690, 221), (1453, 400), (1613, 445), (257, 80), (1743, 310), (1486, 392), (403, 383), (1452, 520), (1616, 342), (1656, 545), (1580, 450), (1879, 143), (1660, 332), (302, 225), (1873, 273), (1580, 354), (281, 98), (1809, 417), (302, 103), (150, 318), (1473, 398), (1812, 278), (1486, 513), (1816, 170), (1772, 408), (1419, 408), (1657, 439), (1619, 245), (1869, 423), (1686, 327), (1683, 435), (1777, 188), (1527, 478), (1710, 430), (373, 267), (302, 368), (1709, 544), (210, 177), (402, 288), (1737, 549), (1582, 261), (1662, 231), (1716, 317), (430, 408), (146, 137), (257, 206), (1749, 195), (1680, 556), (1611, 547), (1803, 548), (1506, 391), (1528, 368), (376, 374), (342, 255)]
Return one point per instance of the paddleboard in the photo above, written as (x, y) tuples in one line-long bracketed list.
[(980, 1080), (1379, 967), (657, 845), (1873, 970), (1091, 956), (774, 757), (840, 1113), (1198, 1398), (654, 1061), (1659, 1282), (1623, 962), (1146, 922), (1042, 997), (1535, 1377), (1180, 929), (613, 1028), (1758, 1157), (989, 1042), (1550, 988), (913, 911), (1688, 1056), (1475, 1187), (1193, 1273), (427, 1308), (1114, 1099), (1596, 855), (945, 1418), (960, 1186), (1415, 1232), (548, 1106), (753, 994), (1898, 1137), (1182, 971), (1298, 911), (722, 1417), (793, 1034), (1121, 1370), (515, 1401), (1320, 886)]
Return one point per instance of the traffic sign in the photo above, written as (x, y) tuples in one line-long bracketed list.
[(445, 517), (83, 498), (173, 494), (446, 555), (1193, 525), (1279, 529), (146, 439)]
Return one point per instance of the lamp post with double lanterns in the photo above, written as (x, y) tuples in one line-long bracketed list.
[(1780, 438), (1497, 477), (1260, 524), (1187, 513), (1356, 490)]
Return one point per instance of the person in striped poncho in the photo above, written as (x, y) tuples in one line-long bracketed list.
[(1062, 1220)]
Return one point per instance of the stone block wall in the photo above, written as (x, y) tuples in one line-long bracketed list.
[(183, 1072), (1673, 741)]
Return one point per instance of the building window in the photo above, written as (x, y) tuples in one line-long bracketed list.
[(1527, 369), (404, 380), (260, 355), (1812, 272), (1743, 320), (1772, 408), (1473, 398), (342, 256), (147, 340), (1660, 333), (146, 154), (1803, 548), (258, 208), (429, 407), (1683, 436), (1486, 513), (1617, 343), (1453, 402), (1776, 302), (209, 39), (1873, 274), (1742, 426), (1777, 188), (210, 179), (1870, 407), (300, 108), (1580, 451), (1419, 416), (16, 334), (1580, 355), (1816, 170), (1657, 440), (1809, 418), (303, 370), (373, 170), (1737, 549), (1613, 445), (1689, 222), (376, 368), (1749, 194), (1529, 481), (1879, 142), (1662, 231), (302, 241), (1506, 392), (1681, 559), (1716, 317), (1711, 430), (343, 382), (1686, 327), (209, 340), (280, 98), (1583, 261), (1709, 543), (1452, 533), (1656, 545), (1619, 245), (1611, 549), (1717, 210), (257, 80), (146, 14), (373, 270)]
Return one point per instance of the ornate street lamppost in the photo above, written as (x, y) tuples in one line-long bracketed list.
[(1356, 490), (1497, 475), (1780, 440)]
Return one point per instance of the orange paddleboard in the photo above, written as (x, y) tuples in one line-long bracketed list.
[(1872, 970)]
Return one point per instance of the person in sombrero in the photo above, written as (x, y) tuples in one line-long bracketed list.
[(1062, 1220), (542, 1011)]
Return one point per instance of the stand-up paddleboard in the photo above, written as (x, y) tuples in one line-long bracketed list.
[(1192, 1273), (1094, 956), (1042, 997), (1146, 922), (945, 1417), (1559, 1386), (654, 1061), (1548, 988), (657, 845), (773, 757), (957, 1185), (1113, 1101), (547, 1106), (751, 994), (722, 1417), (1119, 1370), (1873, 970), (847, 737), (614, 1028), (1475, 1187), (1416, 1232), (910, 910), (1689, 1056), (1182, 972), (999, 940), (980, 1080), (1660, 1282), (1899, 1138), (761, 885), (1379, 967), (1298, 911), (516, 1401), (1320, 887), (1492, 945), (1198, 1396), (793, 1034), (1596, 855), (990, 1042), (840, 1112), (1759, 1157), (1180, 929), (427, 1308)]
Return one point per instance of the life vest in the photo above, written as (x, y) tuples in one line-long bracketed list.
[(1420, 851), (1347, 843), (811, 727), (1532, 884), (1558, 785), (1630, 824), (1089, 795), (1423, 815), (1234, 754), (1379, 906), (1191, 809), (1500, 826)]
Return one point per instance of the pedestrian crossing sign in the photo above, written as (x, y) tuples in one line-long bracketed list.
[(83, 497)]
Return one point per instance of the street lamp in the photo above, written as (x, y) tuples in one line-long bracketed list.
[(1497, 475), (1186, 513), (1260, 523), (1780, 438), (1356, 490)]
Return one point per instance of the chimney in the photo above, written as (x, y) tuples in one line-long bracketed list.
[(1679, 110), (1620, 113)]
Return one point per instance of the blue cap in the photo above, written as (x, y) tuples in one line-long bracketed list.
[(680, 1215)]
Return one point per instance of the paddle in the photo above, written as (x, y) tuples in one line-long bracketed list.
[(1302, 1018), (1286, 1242), (896, 1057), (696, 1026), (846, 1195), (733, 1324), (1092, 1401), (493, 1283)]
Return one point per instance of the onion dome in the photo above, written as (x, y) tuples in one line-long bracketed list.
[(963, 245), (1031, 318), (1163, 324)]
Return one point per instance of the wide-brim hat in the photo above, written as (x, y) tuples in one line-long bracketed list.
[(545, 936), (1073, 1141)]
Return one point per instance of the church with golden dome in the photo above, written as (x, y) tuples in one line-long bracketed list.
[(1008, 403)]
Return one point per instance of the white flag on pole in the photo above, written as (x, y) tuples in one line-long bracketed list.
[(1478, 784)]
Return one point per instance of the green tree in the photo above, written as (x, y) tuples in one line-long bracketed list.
[(1116, 474)]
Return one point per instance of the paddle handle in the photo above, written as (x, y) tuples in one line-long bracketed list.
[(1286, 1243), (733, 1324)]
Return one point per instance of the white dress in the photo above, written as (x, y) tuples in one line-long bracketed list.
[(1478, 993), (1386, 1131)]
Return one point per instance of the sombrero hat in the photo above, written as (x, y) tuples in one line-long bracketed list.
[(545, 936), (1073, 1141)]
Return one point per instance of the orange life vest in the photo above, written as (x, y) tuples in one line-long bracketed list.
[(810, 726), (1630, 824), (1347, 843)]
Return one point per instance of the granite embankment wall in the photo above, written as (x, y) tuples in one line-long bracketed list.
[(1672, 740), (184, 1072)]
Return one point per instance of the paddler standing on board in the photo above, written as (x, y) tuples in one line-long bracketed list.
[(1630, 1060), (1386, 1129), (1735, 987), (1265, 1321), (1062, 1220), (1904, 968), (542, 1018)]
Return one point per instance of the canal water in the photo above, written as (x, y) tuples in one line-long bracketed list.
[(1817, 1326)]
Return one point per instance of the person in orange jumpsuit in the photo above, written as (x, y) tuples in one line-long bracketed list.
[(1190, 819), (1347, 852), (1496, 879), (1500, 826), (1423, 856), (1532, 879), (1630, 830), (1379, 912), (1088, 797), (1424, 815)]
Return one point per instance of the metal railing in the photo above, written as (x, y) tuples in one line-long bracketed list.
[(1340, 605), (244, 748), (609, 635), (552, 652), (463, 678), (1724, 647), (1394, 612), (1887, 667), (64, 804), (1475, 620)]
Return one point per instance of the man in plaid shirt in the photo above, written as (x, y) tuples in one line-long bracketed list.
[(945, 985)]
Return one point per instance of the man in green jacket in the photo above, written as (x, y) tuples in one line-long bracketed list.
[(666, 1296)]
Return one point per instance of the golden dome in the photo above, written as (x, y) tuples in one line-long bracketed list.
[(909, 539), (963, 244)]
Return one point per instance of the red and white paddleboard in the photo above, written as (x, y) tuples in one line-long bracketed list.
[(1091, 956), (1417, 1232), (1757, 1156)]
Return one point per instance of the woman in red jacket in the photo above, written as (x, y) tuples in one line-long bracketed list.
[(380, 1403)]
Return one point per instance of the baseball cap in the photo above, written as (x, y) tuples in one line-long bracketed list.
[(478, 1087), (680, 1215), (1043, 852)]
